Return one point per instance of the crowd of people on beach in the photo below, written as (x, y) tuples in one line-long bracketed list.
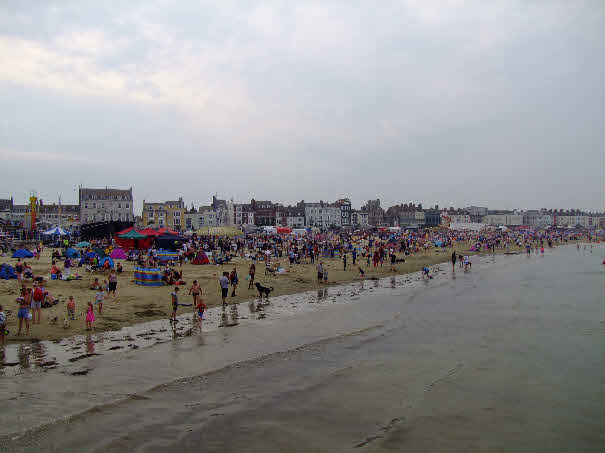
[(279, 253)]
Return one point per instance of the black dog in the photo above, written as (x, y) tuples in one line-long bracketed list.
[(263, 290)]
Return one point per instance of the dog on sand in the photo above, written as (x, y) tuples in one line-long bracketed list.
[(263, 290)]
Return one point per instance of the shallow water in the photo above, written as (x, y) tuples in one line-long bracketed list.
[(507, 356)]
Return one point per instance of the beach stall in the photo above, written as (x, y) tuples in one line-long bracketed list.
[(169, 242), (57, 231), (148, 276), (133, 239)]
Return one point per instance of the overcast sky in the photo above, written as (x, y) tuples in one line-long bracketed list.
[(495, 103)]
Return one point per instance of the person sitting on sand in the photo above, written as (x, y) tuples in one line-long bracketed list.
[(119, 268), (54, 270), (95, 284)]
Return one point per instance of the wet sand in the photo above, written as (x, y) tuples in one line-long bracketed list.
[(137, 304), (507, 357)]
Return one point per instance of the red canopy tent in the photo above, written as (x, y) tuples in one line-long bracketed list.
[(127, 244), (150, 232), (284, 230), (167, 231)]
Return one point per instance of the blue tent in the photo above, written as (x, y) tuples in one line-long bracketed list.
[(23, 253), (102, 262), (72, 253), (7, 272)]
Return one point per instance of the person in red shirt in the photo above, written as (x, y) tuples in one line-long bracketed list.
[(201, 308)]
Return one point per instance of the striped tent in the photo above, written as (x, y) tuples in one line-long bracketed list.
[(147, 276)]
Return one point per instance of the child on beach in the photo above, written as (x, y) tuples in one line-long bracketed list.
[(71, 308), (23, 314), (201, 308), (99, 296), (426, 273), (325, 276), (95, 284), (175, 304), (90, 316), (361, 273)]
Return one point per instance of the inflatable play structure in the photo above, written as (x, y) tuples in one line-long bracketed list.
[(148, 276), (23, 253)]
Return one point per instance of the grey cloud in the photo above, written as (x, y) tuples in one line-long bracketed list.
[(494, 103)]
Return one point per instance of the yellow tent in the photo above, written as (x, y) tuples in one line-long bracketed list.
[(219, 231)]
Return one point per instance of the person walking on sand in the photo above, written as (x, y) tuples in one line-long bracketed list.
[(175, 304), (361, 273), (251, 273), (234, 280), (344, 261), (195, 292), (113, 283), (201, 308), (71, 308), (454, 261), (320, 272), (99, 296), (90, 316), (224, 284)]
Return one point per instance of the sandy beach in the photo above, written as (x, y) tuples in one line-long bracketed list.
[(135, 304)]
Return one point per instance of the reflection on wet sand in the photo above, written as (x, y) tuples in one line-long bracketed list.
[(18, 357)]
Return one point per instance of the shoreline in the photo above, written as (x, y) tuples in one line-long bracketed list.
[(137, 305)]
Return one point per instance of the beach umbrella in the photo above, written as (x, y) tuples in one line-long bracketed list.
[(99, 251), (83, 244)]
